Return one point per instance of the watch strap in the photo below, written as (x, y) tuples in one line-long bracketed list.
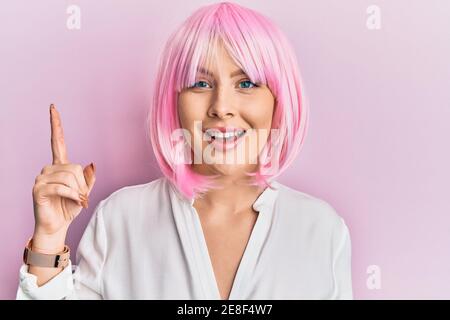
[(33, 258)]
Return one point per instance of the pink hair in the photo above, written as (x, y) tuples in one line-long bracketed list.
[(259, 47)]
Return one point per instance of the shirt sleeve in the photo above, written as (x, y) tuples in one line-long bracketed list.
[(82, 281), (342, 264)]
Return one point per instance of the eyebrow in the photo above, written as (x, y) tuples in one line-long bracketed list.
[(209, 73)]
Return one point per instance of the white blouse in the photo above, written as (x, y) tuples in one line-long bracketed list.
[(146, 242)]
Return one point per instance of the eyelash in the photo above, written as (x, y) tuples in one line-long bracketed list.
[(253, 84)]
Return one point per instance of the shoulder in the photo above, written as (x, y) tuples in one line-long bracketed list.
[(128, 194), (154, 187), (311, 212), (134, 199)]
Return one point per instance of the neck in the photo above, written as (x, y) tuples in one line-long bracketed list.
[(233, 198)]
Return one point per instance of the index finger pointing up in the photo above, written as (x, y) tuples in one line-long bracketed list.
[(57, 139)]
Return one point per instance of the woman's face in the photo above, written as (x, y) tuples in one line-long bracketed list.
[(225, 97)]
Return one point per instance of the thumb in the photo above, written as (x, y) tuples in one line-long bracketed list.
[(89, 176)]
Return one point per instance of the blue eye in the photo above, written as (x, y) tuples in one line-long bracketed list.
[(200, 84), (247, 83)]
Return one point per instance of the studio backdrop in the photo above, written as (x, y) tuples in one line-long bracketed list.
[(377, 74)]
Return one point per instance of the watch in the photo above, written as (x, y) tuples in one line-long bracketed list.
[(33, 258)]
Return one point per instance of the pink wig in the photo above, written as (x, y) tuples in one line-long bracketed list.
[(263, 52)]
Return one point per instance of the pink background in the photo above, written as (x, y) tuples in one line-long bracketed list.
[(377, 149)]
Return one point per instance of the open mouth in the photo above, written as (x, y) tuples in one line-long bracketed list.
[(224, 140), (225, 136)]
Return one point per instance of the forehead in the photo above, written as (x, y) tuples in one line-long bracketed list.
[(219, 62)]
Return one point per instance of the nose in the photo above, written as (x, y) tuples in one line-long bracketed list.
[(221, 106)]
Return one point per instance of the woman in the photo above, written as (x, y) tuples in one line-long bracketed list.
[(228, 116)]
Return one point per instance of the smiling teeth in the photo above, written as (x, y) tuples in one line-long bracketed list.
[(226, 135)]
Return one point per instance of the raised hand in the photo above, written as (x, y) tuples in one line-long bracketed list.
[(62, 189)]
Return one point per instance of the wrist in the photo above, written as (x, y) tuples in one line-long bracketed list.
[(49, 243)]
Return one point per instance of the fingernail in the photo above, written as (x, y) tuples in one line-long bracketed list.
[(84, 204), (84, 200), (79, 201), (92, 167), (83, 197)]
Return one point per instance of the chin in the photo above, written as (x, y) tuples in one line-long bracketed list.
[(231, 170), (226, 169)]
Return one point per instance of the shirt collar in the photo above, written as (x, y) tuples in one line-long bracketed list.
[(265, 199)]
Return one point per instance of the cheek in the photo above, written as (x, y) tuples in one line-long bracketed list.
[(191, 112), (259, 112), (190, 109)]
